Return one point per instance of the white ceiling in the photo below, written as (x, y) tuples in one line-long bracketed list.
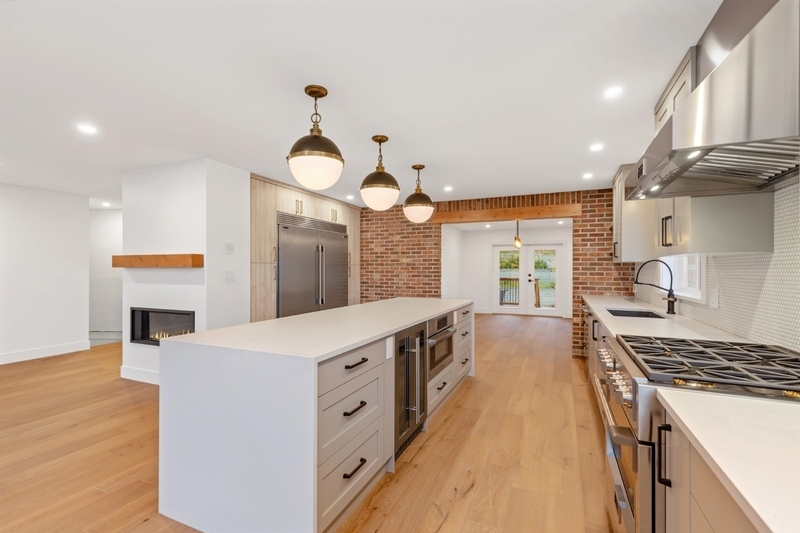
[(495, 98)]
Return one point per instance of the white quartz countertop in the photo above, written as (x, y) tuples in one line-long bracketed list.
[(324, 334), (671, 326), (752, 445)]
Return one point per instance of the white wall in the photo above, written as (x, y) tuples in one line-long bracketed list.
[(44, 273), (191, 207), (105, 283), (475, 277), (452, 242), (758, 292)]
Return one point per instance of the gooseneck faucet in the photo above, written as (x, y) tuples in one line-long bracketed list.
[(670, 293)]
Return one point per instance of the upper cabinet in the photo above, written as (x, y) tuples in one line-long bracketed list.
[(679, 87), (633, 227), (263, 229), (714, 224)]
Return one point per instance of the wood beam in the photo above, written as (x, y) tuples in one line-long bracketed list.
[(508, 213), (158, 261)]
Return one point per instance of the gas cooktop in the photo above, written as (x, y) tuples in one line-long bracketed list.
[(706, 363)]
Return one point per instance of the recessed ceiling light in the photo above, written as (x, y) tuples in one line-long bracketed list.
[(88, 129), (654, 188), (641, 196), (613, 92), (488, 225), (588, 176), (694, 154), (448, 188), (560, 221), (106, 204), (350, 196), (596, 147)]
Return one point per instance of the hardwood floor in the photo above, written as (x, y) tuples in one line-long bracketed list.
[(78, 447), (518, 448)]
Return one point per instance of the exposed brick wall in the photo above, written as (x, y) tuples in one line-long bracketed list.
[(398, 257), (593, 269)]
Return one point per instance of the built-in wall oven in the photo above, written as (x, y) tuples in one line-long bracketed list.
[(440, 343)]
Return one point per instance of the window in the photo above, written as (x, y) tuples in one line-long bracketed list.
[(689, 273)]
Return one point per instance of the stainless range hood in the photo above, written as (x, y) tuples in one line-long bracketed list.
[(739, 131)]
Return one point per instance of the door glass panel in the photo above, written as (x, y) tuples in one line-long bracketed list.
[(509, 278), (544, 262)]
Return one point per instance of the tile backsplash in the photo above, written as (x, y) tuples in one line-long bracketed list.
[(759, 293)]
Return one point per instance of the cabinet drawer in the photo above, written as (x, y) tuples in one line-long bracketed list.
[(360, 460), (347, 410), (463, 335), (712, 498), (347, 366), (440, 388), (465, 313), (462, 363)]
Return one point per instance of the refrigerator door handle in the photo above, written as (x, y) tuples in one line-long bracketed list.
[(318, 284), (322, 275), (419, 363)]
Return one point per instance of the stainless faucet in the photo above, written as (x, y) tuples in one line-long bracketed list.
[(670, 293)]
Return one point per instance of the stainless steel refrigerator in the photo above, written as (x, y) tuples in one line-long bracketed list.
[(312, 265)]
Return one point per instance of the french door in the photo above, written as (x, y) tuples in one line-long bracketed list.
[(529, 280)]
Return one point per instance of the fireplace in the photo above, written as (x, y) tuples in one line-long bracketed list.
[(149, 326)]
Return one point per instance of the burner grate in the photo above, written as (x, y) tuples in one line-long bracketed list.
[(732, 363)]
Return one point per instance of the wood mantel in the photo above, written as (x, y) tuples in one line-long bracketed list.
[(508, 213), (158, 261)]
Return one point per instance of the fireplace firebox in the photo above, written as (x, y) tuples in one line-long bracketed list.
[(149, 326)]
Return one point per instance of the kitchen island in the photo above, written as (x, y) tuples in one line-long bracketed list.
[(246, 443)]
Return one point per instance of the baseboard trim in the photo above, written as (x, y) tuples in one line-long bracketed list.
[(45, 351), (139, 374), (482, 311)]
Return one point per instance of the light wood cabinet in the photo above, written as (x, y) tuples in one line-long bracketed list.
[(294, 202), (680, 86), (633, 224), (697, 501), (735, 223), (354, 254), (263, 277)]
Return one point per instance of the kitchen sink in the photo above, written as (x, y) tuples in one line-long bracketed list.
[(633, 313)]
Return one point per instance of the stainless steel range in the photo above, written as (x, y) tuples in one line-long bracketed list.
[(627, 372)]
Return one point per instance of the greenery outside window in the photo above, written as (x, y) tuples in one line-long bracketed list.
[(689, 271)]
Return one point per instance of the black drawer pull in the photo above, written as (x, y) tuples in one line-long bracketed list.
[(444, 384), (356, 409), (465, 361), (465, 313), (660, 454), (465, 334), (361, 463), (351, 367)]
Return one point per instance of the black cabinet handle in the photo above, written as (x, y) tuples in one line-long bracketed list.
[(465, 361), (444, 384), (659, 454), (615, 250), (361, 463), (465, 334), (465, 313), (351, 367), (664, 231), (594, 331), (356, 409)]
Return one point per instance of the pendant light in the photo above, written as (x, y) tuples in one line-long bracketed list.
[(517, 240), (380, 190), (418, 207), (314, 160)]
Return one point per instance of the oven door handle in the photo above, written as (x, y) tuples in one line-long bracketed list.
[(441, 336), (621, 435)]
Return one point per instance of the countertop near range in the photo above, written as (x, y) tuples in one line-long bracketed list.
[(751, 445), (671, 326), (325, 334)]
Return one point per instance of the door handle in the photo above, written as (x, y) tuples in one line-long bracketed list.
[(322, 277), (660, 454)]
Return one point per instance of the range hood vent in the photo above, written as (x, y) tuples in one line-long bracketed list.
[(739, 131)]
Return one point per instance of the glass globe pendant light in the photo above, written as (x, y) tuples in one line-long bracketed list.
[(380, 190), (517, 240), (314, 160), (418, 207)]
